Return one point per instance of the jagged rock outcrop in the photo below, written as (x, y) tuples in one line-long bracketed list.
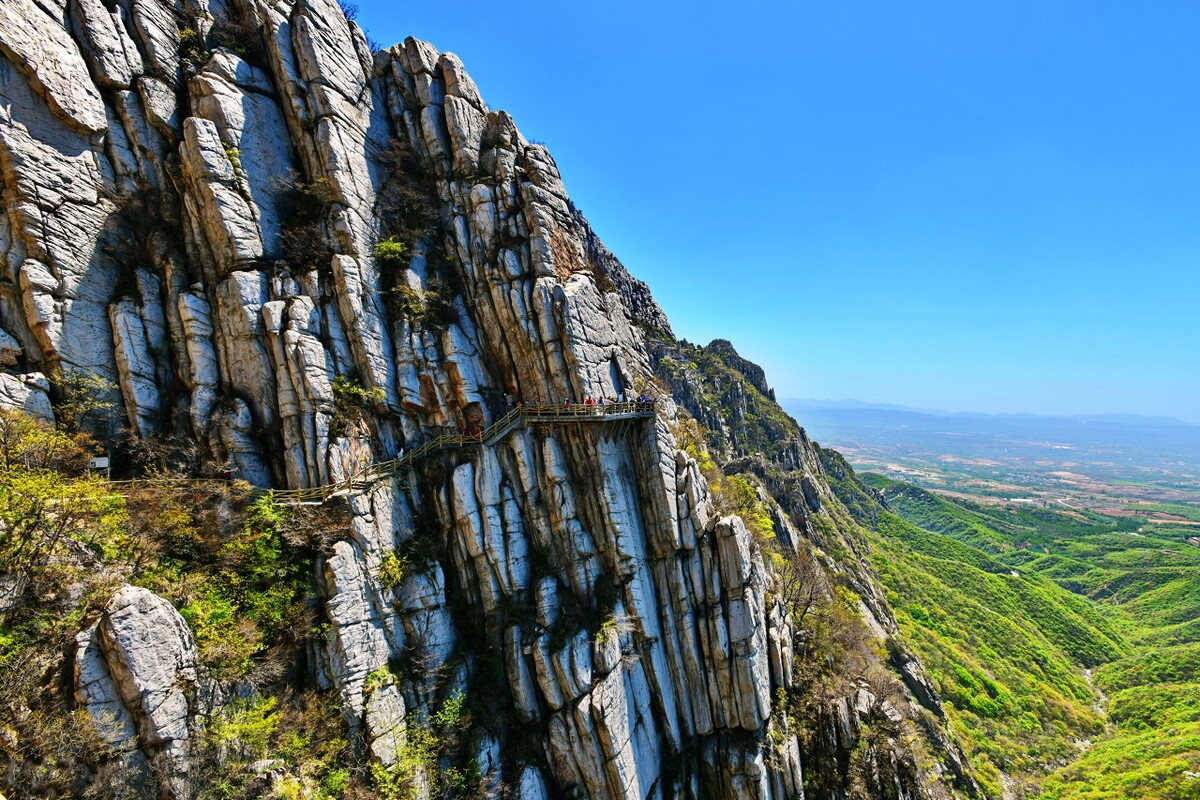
[(137, 677), (308, 256)]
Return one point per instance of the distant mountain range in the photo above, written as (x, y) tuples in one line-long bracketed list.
[(800, 404), (1128, 439)]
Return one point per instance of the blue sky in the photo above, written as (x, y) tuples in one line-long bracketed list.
[(982, 206)]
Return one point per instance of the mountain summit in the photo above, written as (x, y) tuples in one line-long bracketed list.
[(299, 264)]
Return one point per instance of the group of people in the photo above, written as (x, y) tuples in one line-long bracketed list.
[(510, 403), (605, 401)]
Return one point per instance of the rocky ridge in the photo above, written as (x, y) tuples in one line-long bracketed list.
[(307, 256)]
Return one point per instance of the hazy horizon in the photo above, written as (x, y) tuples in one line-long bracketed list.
[(947, 204), (853, 403)]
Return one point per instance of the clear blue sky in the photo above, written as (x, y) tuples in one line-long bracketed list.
[(983, 206)]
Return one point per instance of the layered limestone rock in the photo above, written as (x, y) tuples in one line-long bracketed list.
[(136, 675), (309, 257)]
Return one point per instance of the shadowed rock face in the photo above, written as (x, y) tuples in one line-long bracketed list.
[(199, 220)]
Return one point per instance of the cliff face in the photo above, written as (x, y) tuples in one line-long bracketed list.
[(307, 257)]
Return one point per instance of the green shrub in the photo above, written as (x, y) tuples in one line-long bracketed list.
[(224, 644), (235, 158), (249, 597), (392, 570), (238, 570), (191, 48), (377, 679), (432, 308), (731, 494), (246, 725), (392, 252), (409, 302), (336, 781), (351, 401), (86, 402), (418, 758), (302, 730), (609, 630), (736, 494)]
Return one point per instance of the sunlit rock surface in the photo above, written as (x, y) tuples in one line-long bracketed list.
[(201, 227)]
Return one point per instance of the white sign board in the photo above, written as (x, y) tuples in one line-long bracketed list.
[(98, 463)]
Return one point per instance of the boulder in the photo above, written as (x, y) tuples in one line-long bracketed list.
[(151, 659)]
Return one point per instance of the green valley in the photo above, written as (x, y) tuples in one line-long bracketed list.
[(1066, 643)]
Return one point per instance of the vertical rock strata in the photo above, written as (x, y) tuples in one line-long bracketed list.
[(200, 222)]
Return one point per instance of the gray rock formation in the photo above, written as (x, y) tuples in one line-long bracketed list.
[(136, 676), (201, 225)]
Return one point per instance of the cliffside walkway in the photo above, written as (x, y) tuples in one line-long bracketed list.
[(521, 416)]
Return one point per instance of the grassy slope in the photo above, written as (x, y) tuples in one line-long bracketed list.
[(1145, 580), (1005, 649)]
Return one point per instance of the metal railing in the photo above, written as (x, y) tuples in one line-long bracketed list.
[(586, 410), (380, 470)]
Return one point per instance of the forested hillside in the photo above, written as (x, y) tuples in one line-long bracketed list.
[(1118, 596)]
